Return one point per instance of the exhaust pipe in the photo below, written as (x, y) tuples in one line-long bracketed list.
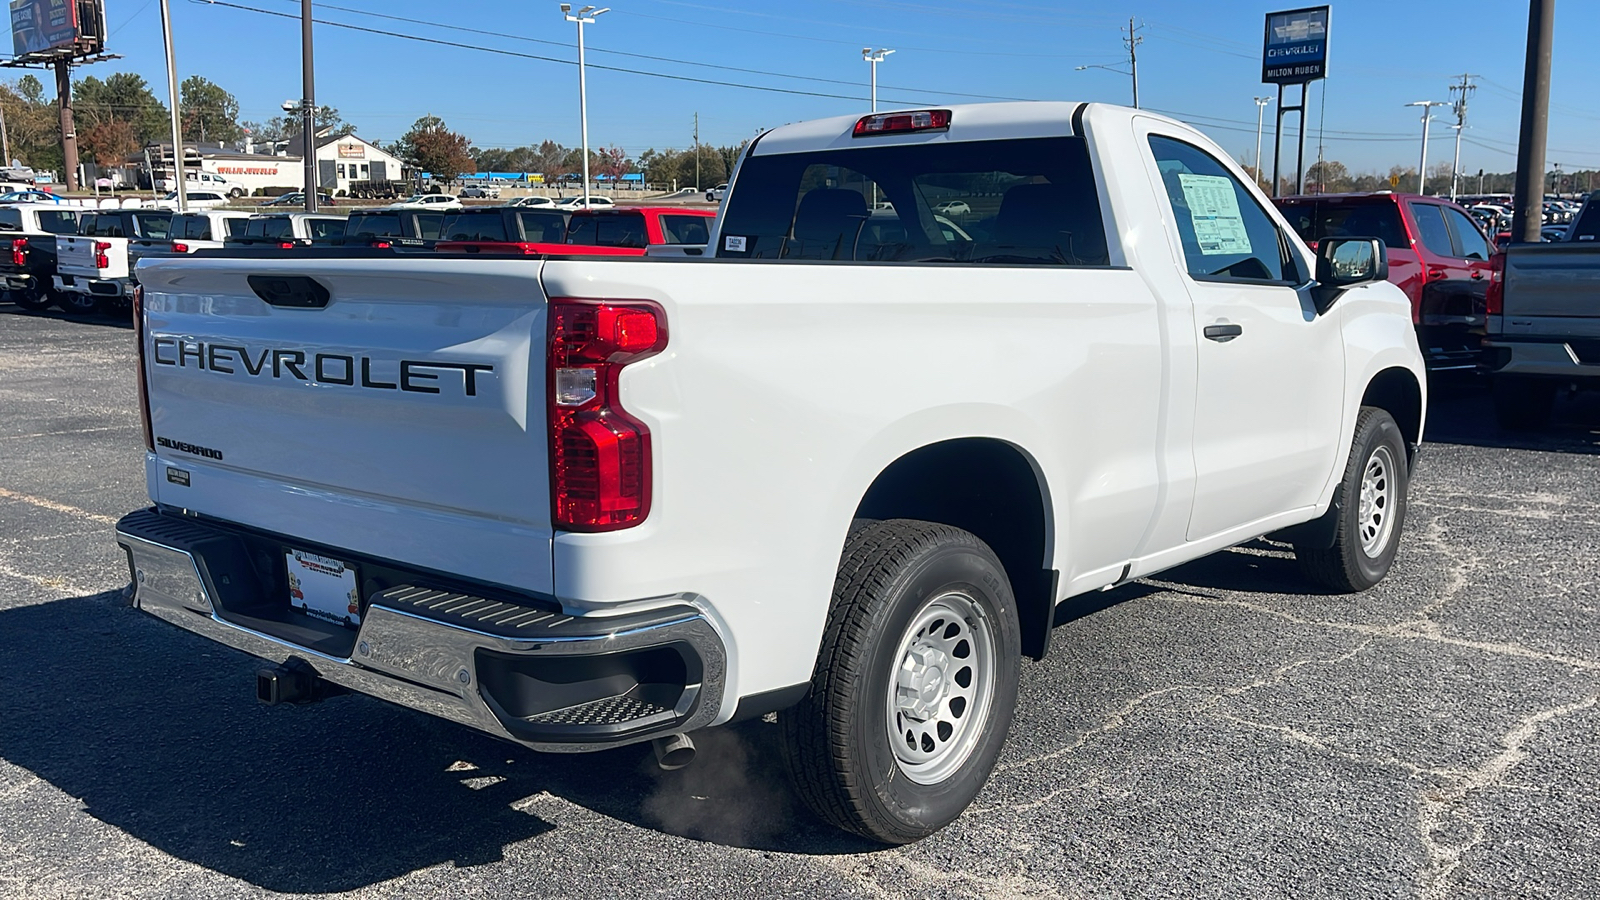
[(294, 681), (673, 752)]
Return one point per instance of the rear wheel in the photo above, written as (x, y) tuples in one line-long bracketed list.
[(915, 683), (33, 299), (1372, 509), (78, 304), (1522, 403)]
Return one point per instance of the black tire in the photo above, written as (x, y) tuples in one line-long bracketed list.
[(1522, 403), (1350, 565), (236, 193), (76, 304), (836, 741), (33, 299)]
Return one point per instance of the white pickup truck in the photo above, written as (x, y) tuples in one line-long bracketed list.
[(93, 268), (842, 468)]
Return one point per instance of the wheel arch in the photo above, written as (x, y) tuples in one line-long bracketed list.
[(993, 489), (1397, 391)]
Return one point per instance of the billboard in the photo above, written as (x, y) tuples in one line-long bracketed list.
[(1296, 48), (48, 28)]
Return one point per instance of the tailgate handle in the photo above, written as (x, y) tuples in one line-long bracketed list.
[(292, 291)]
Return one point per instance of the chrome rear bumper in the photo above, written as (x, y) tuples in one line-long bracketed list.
[(527, 674)]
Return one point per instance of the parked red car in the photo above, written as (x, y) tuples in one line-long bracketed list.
[(1437, 254), (623, 231)]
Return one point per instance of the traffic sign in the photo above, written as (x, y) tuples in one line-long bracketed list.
[(1394, 181)]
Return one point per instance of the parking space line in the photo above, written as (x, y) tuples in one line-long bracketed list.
[(43, 503), (18, 437), (61, 586)]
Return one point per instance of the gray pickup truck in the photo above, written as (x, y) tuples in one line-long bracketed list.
[(1544, 322)]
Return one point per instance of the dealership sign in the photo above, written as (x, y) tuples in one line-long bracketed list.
[(1296, 49)]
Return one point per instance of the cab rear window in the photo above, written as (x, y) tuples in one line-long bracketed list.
[(474, 226), (608, 230), (1024, 202)]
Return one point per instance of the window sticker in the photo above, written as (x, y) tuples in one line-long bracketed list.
[(1214, 210), (733, 243)]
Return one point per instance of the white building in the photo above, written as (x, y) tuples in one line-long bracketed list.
[(348, 158), (340, 161)]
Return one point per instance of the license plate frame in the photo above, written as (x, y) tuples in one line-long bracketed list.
[(322, 587)]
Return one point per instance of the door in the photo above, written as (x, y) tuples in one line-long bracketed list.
[(1270, 378)]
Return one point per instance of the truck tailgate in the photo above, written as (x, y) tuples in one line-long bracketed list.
[(405, 418), (75, 256), (1557, 280)]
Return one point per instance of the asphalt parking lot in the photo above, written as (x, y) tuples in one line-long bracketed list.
[(1214, 732)]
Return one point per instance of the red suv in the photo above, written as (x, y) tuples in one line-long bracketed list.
[(1437, 254)]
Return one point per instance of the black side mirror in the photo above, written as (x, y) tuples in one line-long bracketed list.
[(1347, 262)]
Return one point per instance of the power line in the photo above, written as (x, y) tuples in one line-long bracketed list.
[(531, 56), (646, 56)]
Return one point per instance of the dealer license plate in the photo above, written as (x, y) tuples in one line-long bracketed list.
[(323, 587)]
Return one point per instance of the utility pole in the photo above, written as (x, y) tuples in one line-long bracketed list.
[(5, 142), (1422, 163), (874, 58), (69, 135), (697, 150), (178, 158), (1261, 109), (1132, 41), (1460, 92), (1528, 208), (308, 107)]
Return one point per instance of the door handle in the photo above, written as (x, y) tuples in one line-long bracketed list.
[(1437, 273), (1477, 274), (1222, 333)]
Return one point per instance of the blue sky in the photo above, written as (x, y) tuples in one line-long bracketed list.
[(1198, 60)]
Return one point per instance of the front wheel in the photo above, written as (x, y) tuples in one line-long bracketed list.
[(915, 683), (1372, 508)]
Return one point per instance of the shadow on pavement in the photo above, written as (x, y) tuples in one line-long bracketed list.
[(159, 734), (114, 318), (1461, 411)]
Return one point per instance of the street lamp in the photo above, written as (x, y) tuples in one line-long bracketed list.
[(585, 16), (1134, 75), (874, 58), (1422, 164), (1261, 109)]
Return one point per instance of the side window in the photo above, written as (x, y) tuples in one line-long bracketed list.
[(1431, 228), (685, 229), (236, 227), (11, 219), (58, 221), (429, 225), (326, 228), (1226, 235), (89, 225), (543, 227), (1468, 237)]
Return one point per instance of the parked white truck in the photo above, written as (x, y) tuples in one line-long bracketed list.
[(843, 468)]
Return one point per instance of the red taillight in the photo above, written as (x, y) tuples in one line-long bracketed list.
[(902, 122), (19, 251), (382, 245), (100, 260), (1494, 300), (179, 247), (599, 454), (286, 245), (144, 384)]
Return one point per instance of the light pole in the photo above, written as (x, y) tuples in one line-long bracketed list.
[(1422, 164), (172, 94), (1133, 74), (874, 58), (585, 16), (308, 106), (1261, 109)]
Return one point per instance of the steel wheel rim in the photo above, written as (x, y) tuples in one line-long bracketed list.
[(934, 721), (1376, 510)]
